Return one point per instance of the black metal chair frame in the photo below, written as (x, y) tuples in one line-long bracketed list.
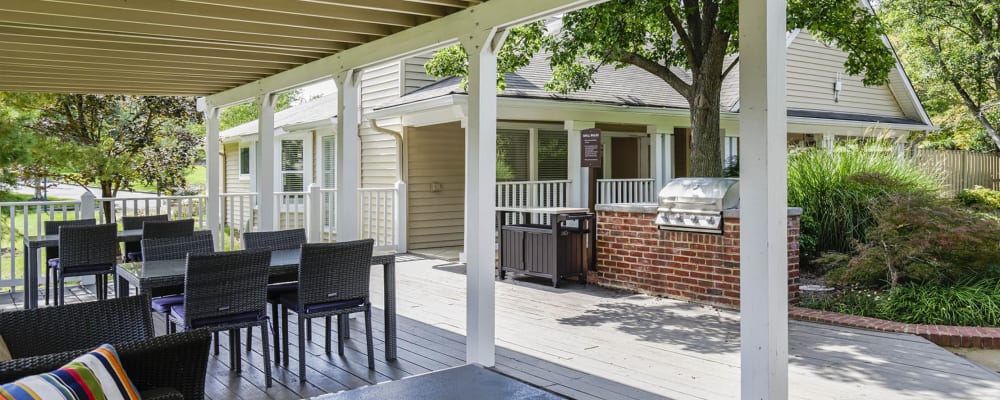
[(84, 251), (275, 240), (330, 273), (226, 284), (52, 228), (172, 249)]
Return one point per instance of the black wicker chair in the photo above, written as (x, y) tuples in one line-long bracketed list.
[(133, 250), (226, 291), (167, 229), (173, 249), (166, 367), (279, 285), (333, 280), (76, 326), (84, 251), (52, 253)]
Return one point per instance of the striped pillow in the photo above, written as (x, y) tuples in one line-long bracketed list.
[(96, 375)]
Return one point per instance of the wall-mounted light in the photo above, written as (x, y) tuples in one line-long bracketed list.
[(838, 85)]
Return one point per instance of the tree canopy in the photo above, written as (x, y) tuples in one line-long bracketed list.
[(951, 49), (665, 37)]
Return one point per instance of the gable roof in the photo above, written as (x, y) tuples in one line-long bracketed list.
[(315, 110), (633, 86)]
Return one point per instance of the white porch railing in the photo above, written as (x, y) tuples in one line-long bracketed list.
[(238, 215), (26, 217), (378, 215), (177, 207), (531, 194), (612, 191), (328, 212), (290, 209)]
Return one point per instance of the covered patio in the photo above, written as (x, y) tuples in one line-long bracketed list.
[(590, 343), (234, 51)]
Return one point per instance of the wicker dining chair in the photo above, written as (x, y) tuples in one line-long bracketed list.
[(84, 251), (226, 292), (52, 253), (333, 280), (133, 251), (173, 249), (279, 285), (167, 229)]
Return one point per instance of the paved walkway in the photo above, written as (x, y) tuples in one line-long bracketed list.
[(593, 343), (69, 191)]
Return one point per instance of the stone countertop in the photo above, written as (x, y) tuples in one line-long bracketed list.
[(650, 208)]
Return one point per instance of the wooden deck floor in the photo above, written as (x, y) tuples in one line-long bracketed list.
[(591, 343)]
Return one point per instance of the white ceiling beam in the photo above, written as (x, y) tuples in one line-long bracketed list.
[(126, 55), (324, 10), (394, 6), (61, 59), (104, 70), (436, 33)]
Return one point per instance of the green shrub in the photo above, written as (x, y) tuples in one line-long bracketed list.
[(967, 304), (836, 188), (924, 239), (980, 198)]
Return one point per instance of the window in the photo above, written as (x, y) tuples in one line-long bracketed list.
[(512, 155), (552, 155), (329, 162), (292, 171), (245, 161), (732, 152)]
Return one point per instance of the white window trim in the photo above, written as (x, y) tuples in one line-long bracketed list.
[(239, 157), (318, 165)]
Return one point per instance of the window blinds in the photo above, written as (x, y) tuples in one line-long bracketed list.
[(292, 174), (512, 155), (552, 155)]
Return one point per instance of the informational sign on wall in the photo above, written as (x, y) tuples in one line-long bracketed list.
[(591, 147)]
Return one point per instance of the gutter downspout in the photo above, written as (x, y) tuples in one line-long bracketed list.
[(400, 214), (399, 146)]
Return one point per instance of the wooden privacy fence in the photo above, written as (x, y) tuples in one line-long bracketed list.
[(962, 169)]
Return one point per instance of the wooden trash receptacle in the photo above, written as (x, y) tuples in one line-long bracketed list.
[(555, 250)]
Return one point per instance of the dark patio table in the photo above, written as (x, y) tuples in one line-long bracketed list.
[(165, 273), (32, 244)]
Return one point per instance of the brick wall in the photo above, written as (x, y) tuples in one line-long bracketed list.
[(633, 254)]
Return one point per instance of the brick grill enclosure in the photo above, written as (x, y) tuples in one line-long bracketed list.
[(633, 254)]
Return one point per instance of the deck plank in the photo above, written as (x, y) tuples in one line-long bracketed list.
[(586, 342)]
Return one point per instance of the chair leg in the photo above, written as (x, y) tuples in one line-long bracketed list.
[(340, 334), (234, 350), (302, 348), (266, 352), (347, 326), (327, 334), (232, 353), (284, 334), (249, 339), (215, 336), (309, 331), (368, 337), (275, 329), (48, 277)]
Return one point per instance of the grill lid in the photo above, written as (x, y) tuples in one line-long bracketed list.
[(707, 194)]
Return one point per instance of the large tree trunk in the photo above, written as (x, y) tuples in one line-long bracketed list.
[(706, 141), (107, 192)]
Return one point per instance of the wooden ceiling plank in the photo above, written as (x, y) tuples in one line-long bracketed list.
[(10, 73), (150, 49), (60, 59), (323, 10), (395, 6), (123, 83), (59, 33), (458, 4), (103, 70), (139, 28), (143, 56), (213, 13)]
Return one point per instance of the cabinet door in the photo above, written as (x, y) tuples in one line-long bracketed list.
[(511, 249)]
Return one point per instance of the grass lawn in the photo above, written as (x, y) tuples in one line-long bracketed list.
[(194, 177)]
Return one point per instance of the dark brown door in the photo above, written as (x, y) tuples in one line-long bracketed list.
[(624, 158), (682, 152)]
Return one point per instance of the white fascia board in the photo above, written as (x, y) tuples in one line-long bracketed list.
[(815, 125), (434, 34), (326, 123), (405, 110)]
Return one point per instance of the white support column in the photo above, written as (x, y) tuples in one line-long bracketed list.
[(480, 199), (314, 213), (764, 202), (213, 170), (576, 193), (267, 218), (661, 140), (348, 154)]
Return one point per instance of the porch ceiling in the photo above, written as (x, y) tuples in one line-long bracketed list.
[(186, 47)]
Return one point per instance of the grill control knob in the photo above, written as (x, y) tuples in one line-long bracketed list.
[(711, 220)]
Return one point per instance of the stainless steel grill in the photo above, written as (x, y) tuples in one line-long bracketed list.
[(696, 204)]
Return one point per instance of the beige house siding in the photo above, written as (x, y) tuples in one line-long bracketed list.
[(233, 183), (379, 84), (414, 75), (812, 71), (435, 157)]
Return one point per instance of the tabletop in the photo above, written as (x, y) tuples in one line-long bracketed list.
[(37, 241), (458, 383)]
